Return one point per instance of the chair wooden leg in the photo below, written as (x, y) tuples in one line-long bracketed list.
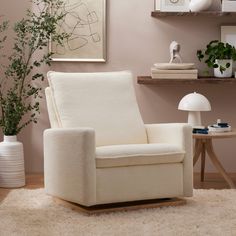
[(217, 164), (203, 157), (197, 151)]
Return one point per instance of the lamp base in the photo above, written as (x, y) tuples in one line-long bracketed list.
[(198, 127), (194, 119)]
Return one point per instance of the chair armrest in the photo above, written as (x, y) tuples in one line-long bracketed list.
[(69, 164), (179, 134), (174, 133)]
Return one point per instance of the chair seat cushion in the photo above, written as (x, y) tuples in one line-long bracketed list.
[(138, 154)]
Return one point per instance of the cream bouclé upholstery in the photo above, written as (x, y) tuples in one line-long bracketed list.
[(98, 150)]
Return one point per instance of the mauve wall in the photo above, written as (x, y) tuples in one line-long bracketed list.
[(135, 41)]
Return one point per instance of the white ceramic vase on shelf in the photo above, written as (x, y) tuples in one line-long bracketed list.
[(12, 170), (199, 5), (228, 72)]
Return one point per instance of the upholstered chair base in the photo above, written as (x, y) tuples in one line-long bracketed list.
[(124, 206)]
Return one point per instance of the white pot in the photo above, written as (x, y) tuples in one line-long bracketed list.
[(228, 72), (12, 170), (200, 5)]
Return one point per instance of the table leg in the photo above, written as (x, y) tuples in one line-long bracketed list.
[(203, 161), (217, 164), (197, 151)]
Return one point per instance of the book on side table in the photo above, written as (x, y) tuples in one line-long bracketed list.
[(219, 127)]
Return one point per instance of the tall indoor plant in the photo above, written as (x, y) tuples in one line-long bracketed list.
[(19, 94), (220, 56)]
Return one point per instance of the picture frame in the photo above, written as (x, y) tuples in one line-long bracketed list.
[(228, 6), (174, 5), (85, 22), (228, 34)]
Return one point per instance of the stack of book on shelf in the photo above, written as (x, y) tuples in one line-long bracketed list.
[(174, 74)]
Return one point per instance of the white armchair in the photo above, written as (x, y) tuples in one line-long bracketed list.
[(99, 151)]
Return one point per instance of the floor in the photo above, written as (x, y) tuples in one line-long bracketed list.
[(33, 181), (212, 180)]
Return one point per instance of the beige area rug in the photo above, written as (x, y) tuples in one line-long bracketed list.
[(32, 212)]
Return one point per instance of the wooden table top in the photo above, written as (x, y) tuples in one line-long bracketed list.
[(213, 135)]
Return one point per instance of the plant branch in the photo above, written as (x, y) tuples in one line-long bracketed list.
[(32, 35)]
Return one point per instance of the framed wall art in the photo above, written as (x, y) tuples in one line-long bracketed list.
[(174, 5), (85, 22), (228, 35)]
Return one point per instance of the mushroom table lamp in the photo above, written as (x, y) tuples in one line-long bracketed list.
[(194, 103)]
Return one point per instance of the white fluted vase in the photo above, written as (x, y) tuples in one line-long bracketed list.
[(12, 170)]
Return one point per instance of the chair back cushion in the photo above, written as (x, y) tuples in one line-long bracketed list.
[(103, 101)]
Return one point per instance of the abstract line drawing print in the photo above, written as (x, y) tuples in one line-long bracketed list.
[(79, 23), (82, 23)]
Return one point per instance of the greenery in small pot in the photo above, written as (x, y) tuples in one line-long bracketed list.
[(217, 50), (21, 76)]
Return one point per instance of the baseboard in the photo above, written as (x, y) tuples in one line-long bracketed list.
[(215, 174)]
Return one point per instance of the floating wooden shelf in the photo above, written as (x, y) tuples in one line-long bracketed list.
[(158, 14), (201, 80)]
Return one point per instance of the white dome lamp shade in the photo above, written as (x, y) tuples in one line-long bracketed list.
[(194, 103)]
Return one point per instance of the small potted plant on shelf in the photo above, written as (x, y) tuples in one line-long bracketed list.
[(219, 56), (20, 82)]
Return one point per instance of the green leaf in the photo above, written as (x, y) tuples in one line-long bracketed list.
[(217, 50), (19, 101)]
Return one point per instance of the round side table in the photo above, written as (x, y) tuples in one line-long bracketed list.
[(203, 144)]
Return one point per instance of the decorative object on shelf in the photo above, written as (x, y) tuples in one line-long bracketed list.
[(219, 56), (87, 30), (228, 6), (19, 94), (215, 6), (12, 171), (199, 5), (157, 5), (173, 70), (219, 127), (228, 35), (175, 52), (174, 5), (194, 103)]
